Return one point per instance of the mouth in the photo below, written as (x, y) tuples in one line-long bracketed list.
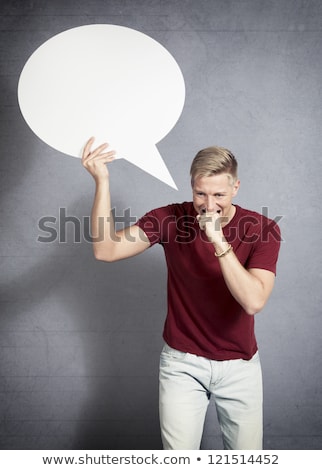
[(204, 211)]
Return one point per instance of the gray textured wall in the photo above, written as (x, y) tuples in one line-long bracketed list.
[(79, 339)]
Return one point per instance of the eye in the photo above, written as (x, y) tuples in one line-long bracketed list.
[(219, 195), (199, 193)]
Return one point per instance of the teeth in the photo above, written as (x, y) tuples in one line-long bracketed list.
[(204, 211)]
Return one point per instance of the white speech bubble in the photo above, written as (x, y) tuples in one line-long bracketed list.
[(107, 81)]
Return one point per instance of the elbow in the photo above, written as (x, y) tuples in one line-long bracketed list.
[(252, 311), (99, 255), (254, 307)]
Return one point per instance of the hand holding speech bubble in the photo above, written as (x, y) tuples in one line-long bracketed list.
[(107, 81)]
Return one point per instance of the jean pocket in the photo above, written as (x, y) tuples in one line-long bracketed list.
[(171, 353), (255, 358)]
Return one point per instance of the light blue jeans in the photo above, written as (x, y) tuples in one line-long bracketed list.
[(188, 381)]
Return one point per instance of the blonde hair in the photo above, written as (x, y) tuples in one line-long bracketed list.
[(213, 161)]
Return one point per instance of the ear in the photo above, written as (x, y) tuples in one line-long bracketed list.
[(236, 187)]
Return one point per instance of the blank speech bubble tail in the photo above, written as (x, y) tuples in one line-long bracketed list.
[(149, 160)]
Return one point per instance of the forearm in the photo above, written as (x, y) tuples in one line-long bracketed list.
[(246, 288), (102, 222)]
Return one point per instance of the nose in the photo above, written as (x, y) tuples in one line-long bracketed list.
[(211, 204)]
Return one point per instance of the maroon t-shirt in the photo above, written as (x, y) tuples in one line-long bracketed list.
[(203, 317)]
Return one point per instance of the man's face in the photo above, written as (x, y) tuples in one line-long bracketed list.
[(214, 193)]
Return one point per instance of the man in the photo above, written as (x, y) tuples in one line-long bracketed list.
[(221, 263)]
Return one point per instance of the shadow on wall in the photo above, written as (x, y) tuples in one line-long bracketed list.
[(123, 402), (80, 349)]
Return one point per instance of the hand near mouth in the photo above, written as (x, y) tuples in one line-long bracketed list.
[(211, 224)]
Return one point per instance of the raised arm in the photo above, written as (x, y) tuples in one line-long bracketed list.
[(108, 245)]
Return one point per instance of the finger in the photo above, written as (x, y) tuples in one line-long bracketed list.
[(97, 157), (99, 149), (208, 217), (97, 152), (103, 158), (87, 147), (201, 222)]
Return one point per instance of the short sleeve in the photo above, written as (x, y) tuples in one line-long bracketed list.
[(154, 223), (266, 248)]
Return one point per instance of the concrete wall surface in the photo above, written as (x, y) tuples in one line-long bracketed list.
[(80, 339)]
